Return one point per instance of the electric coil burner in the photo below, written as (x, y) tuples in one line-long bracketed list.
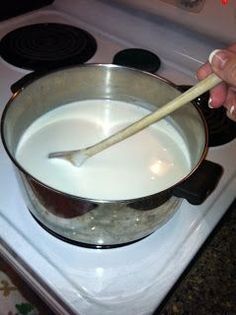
[(47, 46), (138, 58), (221, 128)]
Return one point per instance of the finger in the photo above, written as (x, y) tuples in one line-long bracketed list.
[(217, 95), (232, 48), (223, 63), (230, 104), (204, 71)]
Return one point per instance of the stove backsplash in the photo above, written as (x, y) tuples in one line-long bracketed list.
[(198, 15)]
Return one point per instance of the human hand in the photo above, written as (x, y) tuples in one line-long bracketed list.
[(223, 63)]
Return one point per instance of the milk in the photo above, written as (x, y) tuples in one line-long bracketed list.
[(146, 163)]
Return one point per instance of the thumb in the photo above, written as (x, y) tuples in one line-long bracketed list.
[(223, 63)]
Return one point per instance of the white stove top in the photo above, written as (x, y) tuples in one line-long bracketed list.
[(132, 279)]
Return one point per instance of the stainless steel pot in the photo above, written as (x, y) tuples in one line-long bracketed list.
[(102, 223)]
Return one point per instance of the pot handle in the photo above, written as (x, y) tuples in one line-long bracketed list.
[(25, 80), (200, 184)]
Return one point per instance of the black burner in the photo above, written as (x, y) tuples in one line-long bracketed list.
[(221, 128), (47, 46), (138, 58)]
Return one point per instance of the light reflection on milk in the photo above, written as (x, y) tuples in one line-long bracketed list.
[(144, 164)]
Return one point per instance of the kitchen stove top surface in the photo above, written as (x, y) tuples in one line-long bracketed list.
[(132, 279)]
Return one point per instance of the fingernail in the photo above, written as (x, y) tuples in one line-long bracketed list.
[(218, 58), (209, 103), (231, 112)]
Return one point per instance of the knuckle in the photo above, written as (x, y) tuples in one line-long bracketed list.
[(231, 73)]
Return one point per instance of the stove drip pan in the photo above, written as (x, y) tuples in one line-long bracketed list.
[(47, 46)]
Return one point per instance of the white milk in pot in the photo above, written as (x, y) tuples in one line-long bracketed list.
[(142, 165)]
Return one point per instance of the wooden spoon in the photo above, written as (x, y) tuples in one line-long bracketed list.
[(78, 157)]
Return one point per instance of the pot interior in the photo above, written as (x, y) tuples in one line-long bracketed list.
[(143, 91)]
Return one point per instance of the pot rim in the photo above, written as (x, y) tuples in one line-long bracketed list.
[(99, 201)]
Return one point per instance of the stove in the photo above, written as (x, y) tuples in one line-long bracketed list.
[(132, 279)]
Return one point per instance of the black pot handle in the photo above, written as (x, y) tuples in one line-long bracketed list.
[(200, 184), (25, 80)]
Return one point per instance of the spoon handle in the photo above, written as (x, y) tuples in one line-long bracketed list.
[(198, 89)]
